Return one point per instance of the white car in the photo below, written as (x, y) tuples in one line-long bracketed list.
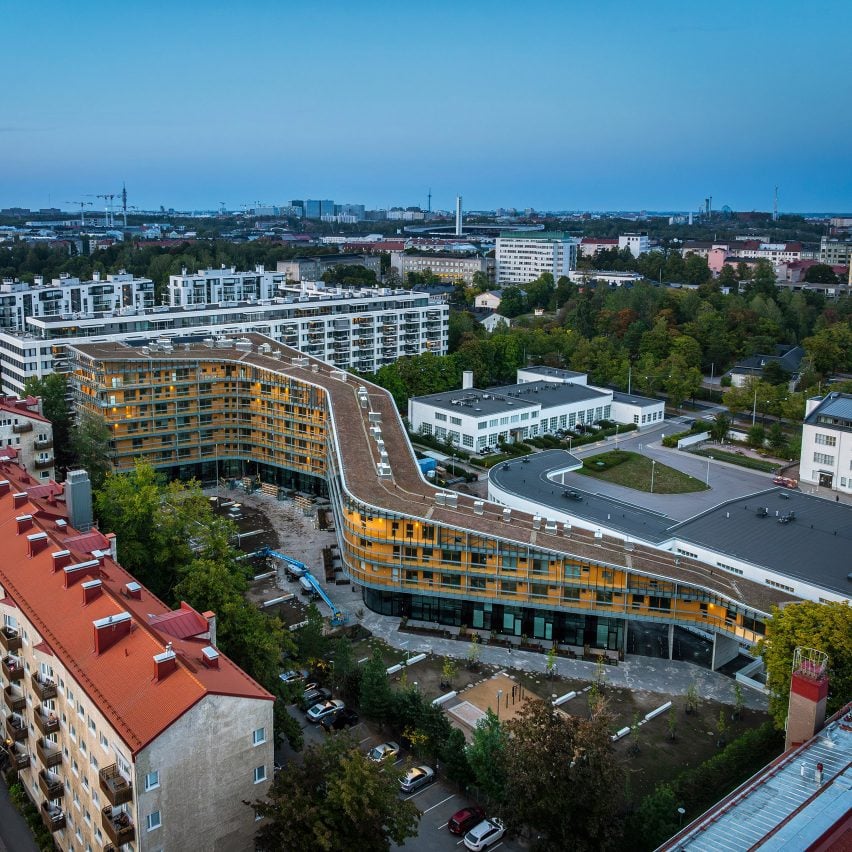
[(383, 752), (325, 709), (481, 836)]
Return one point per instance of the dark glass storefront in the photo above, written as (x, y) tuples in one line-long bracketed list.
[(577, 629), (205, 472)]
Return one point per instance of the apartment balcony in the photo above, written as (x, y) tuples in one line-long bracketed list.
[(51, 784), (48, 753), (52, 816), (21, 428), (10, 640), (46, 444), (118, 826), (14, 698), (42, 464), (18, 755), (43, 687), (115, 786), (16, 730), (12, 667), (47, 723)]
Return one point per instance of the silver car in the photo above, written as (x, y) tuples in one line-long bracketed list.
[(325, 709), (415, 778)]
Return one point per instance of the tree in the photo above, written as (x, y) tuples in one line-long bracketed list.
[(449, 670), (345, 673), (513, 303), (656, 819), (720, 428), (825, 627), (550, 664), (777, 438), (762, 280), (820, 273), (556, 759), (311, 641), (90, 445), (53, 389), (487, 757), (335, 794), (757, 436), (285, 726), (376, 697)]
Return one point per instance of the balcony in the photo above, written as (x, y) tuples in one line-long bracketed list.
[(45, 444), (12, 668), (115, 786), (14, 698), (43, 687), (47, 723), (51, 784), (10, 640), (21, 428), (18, 755), (42, 464), (16, 730), (118, 826), (48, 753), (53, 816)]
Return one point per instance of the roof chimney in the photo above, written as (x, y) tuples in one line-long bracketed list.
[(133, 590), (92, 589), (4, 486), (61, 558), (211, 625), (25, 522), (36, 543), (20, 497), (75, 573), (78, 498), (808, 694), (165, 663), (110, 630), (467, 379), (210, 657)]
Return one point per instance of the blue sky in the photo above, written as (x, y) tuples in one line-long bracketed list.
[(557, 105)]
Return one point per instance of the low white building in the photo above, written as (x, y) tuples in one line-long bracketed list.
[(637, 243), (492, 321), (826, 458), (489, 300), (613, 278)]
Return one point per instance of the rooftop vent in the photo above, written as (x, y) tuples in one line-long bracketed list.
[(507, 515), (210, 657), (133, 590), (91, 589), (76, 572), (19, 498), (478, 507), (165, 663), (4, 486), (36, 543), (110, 630)]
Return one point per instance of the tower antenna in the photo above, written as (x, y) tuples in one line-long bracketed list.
[(775, 207), (429, 205)]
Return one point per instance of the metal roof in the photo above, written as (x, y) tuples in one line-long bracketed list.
[(837, 405)]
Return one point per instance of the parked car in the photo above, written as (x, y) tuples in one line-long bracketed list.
[(416, 778), (465, 819), (383, 752), (485, 834), (294, 675), (324, 709), (344, 718), (313, 694)]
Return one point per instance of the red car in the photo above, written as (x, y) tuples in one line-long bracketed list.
[(465, 819)]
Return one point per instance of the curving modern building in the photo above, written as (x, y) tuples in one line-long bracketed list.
[(251, 405)]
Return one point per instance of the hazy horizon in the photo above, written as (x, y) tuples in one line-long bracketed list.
[(549, 105)]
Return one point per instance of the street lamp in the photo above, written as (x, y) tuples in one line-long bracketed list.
[(709, 459), (754, 406), (499, 699), (653, 467), (681, 811)]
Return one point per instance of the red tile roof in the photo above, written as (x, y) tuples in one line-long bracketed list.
[(180, 623), (21, 406), (121, 679)]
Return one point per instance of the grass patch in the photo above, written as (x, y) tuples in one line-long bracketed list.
[(742, 461), (634, 471)]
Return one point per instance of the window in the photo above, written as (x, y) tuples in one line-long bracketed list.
[(153, 820), (259, 736), (259, 774), (104, 743), (823, 458), (152, 779), (825, 440), (441, 417)]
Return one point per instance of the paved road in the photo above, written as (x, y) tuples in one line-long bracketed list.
[(15, 835)]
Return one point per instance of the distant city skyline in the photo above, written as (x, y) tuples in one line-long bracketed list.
[(549, 105)]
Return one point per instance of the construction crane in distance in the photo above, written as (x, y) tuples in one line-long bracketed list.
[(108, 197), (82, 210)]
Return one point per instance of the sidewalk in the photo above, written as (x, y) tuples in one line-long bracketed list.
[(15, 834), (669, 677)]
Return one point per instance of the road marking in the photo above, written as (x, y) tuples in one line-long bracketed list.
[(443, 826), (364, 740), (363, 660), (451, 796)]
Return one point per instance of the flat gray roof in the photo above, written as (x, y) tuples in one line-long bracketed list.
[(550, 394), (474, 402), (813, 548), (553, 372), (632, 399)]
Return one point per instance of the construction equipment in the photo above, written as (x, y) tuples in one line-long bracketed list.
[(300, 570), (108, 197), (83, 205)]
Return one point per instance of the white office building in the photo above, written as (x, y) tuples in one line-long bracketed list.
[(71, 297), (826, 458), (523, 257), (211, 286), (350, 329), (637, 243)]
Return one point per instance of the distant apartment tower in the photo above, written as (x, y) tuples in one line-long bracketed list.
[(834, 252), (637, 243), (26, 436), (124, 724), (211, 286), (316, 209), (523, 256)]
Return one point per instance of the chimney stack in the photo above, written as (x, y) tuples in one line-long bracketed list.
[(165, 663), (110, 630), (25, 522), (211, 624), (467, 379), (808, 694), (36, 543), (458, 215), (91, 589)]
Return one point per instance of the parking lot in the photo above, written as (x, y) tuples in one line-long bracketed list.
[(437, 802)]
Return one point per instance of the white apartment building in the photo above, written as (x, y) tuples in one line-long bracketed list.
[(637, 243), (26, 436), (124, 724), (446, 266), (834, 252), (71, 297), (775, 253), (211, 286), (350, 329), (543, 402), (826, 458), (523, 257)]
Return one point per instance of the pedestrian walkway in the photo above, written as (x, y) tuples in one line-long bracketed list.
[(669, 677), (15, 834)]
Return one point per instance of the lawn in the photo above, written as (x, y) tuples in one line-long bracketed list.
[(634, 471), (741, 460)]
